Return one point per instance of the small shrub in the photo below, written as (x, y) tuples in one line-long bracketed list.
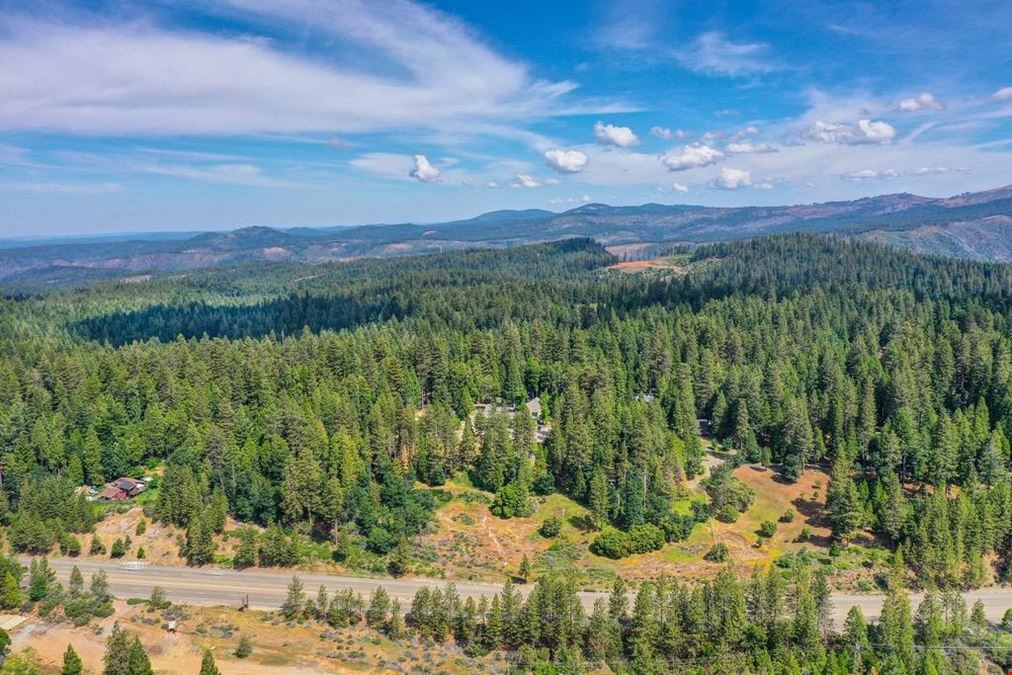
[(142, 527), (645, 538), (118, 549), (676, 527), (805, 534), (718, 554), (611, 543), (767, 529), (141, 553), (551, 527), (788, 516), (834, 549), (727, 513)]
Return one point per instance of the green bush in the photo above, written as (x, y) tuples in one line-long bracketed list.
[(244, 648), (611, 543), (718, 554), (512, 501), (729, 496), (118, 549), (727, 513), (676, 527), (805, 534), (767, 529), (615, 544), (645, 538), (788, 516), (551, 527)]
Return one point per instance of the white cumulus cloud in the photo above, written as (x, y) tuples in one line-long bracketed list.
[(667, 134), (566, 161), (523, 180), (923, 101), (733, 179), (679, 187), (582, 199), (609, 134), (692, 157), (748, 147), (423, 171), (870, 174), (865, 131), (1003, 94)]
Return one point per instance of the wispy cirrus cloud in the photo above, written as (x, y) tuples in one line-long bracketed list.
[(247, 175), (715, 53), (423, 69), (59, 188)]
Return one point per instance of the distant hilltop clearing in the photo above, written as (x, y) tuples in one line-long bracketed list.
[(974, 225)]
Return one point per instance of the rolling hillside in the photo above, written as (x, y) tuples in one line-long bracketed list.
[(972, 225)]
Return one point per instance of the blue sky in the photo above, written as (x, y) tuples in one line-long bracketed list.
[(132, 116)]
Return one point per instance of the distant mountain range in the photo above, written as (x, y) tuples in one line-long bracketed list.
[(974, 225)]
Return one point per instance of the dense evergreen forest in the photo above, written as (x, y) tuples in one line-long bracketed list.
[(321, 401)]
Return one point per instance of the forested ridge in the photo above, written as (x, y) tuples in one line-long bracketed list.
[(300, 407), (322, 402)]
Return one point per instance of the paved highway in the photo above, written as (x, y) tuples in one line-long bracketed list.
[(266, 589)]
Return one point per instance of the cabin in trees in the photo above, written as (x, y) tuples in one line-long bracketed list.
[(534, 408), (122, 489)]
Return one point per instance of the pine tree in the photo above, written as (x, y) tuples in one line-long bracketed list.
[(634, 500), (844, 509), (598, 499), (798, 440), (379, 608), (897, 629), (318, 608), (618, 601), (138, 661), (395, 627), (41, 580), (125, 655), (978, 619), (200, 546), (247, 553), (99, 586), (76, 583), (525, 569), (72, 664), (207, 664), (855, 629), (10, 594), (295, 600)]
